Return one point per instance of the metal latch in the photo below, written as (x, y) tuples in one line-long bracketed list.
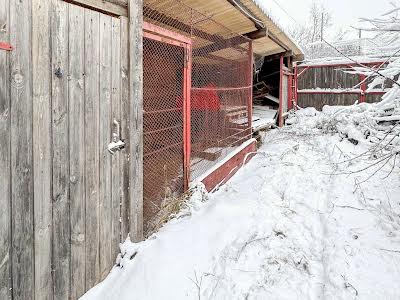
[(117, 143)]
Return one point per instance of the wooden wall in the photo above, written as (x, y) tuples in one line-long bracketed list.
[(65, 201), (329, 78)]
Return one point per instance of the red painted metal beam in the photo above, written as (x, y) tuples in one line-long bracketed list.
[(166, 33), (281, 91), (296, 84), (5, 46), (363, 88), (187, 116), (290, 91), (339, 65), (250, 74), (224, 172), (375, 93), (344, 92)]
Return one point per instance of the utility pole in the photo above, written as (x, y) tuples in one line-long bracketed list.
[(359, 41)]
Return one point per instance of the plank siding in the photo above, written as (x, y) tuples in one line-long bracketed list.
[(5, 159), (135, 8), (116, 158), (77, 161), (42, 148), (23, 276), (92, 146), (329, 78), (125, 107), (60, 162), (65, 201), (105, 194)]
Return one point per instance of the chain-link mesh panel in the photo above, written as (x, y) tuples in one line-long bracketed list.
[(220, 98), (163, 127), (221, 81)]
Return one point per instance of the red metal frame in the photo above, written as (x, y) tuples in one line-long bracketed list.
[(224, 172), (169, 34), (290, 91), (187, 115), (5, 46), (296, 76), (363, 88), (163, 35), (351, 64), (281, 92), (250, 102)]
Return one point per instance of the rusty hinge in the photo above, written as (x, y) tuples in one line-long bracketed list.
[(5, 46)]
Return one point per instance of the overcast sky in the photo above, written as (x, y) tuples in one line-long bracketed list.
[(344, 12)]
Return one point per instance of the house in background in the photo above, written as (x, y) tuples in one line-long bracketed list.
[(108, 110)]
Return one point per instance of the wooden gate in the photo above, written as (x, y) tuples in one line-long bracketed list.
[(64, 96)]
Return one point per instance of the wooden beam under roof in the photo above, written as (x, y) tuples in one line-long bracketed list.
[(110, 7)]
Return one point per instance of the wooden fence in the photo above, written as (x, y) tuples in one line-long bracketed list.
[(65, 201), (319, 85)]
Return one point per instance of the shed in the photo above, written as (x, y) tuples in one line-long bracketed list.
[(108, 111)]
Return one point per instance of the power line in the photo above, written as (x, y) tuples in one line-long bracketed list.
[(285, 11)]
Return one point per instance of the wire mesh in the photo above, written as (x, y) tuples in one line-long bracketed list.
[(162, 126), (221, 92), (220, 101)]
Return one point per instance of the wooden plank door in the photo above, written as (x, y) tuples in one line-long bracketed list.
[(87, 55)]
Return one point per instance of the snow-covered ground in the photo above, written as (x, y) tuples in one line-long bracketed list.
[(292, 224)]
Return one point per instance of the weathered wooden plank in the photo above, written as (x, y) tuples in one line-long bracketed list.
[(76, 85), (5, 159), (105, 207), (23, 276), (41, 78), (113, 7), (125, 127), (116, 115), (92, 146), (135, 8), (60, 164)]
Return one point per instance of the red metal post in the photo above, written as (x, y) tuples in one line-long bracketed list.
[(187, 115), (296, 85), (363, 88), (250, 101), (281, 92), (290, 90)]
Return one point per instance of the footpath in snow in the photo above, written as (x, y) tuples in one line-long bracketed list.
[(297, 222)]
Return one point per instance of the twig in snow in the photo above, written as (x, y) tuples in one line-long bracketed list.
[(348, 206), (388, 250), (247, 244), (358, 187), (388, 156), (197, 283), (349, 285), (376, 171)]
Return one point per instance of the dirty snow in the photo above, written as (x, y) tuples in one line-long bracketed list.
[(295, 223)]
